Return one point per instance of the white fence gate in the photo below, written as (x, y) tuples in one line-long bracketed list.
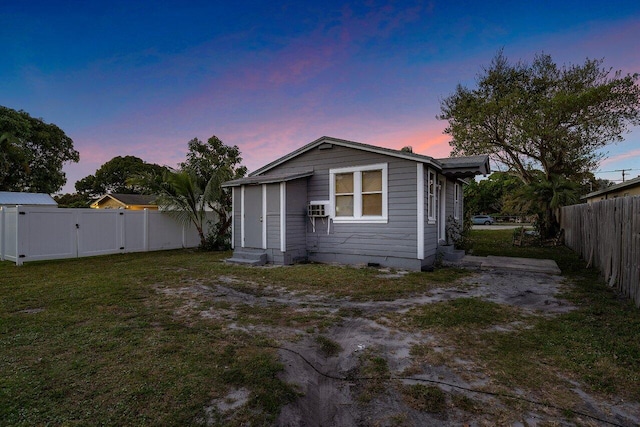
[(39, 233)]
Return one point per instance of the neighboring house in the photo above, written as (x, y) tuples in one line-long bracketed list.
[(12, 199), (624, 189), (134, 202), (342, 201)]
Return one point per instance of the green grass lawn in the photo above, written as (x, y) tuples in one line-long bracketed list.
[(92, 341), (96, 341)]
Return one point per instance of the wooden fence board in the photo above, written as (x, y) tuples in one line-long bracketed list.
[(607, 235)]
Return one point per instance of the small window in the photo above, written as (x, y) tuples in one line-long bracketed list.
[(431, 195), (359, 194)]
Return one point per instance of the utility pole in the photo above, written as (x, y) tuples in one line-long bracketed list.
[(623, 172)]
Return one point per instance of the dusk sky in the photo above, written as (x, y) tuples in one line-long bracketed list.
[(143, 78)]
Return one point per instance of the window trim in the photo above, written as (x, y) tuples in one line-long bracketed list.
[(432, 188), (456, 200), (357, 194)]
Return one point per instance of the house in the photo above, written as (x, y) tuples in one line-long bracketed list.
[(347, 202), (624, 189), (12, 199), (134, 202)]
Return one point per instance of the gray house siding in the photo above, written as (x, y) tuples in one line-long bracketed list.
[(296, 220), (451, 200), (273, 223), (393, 243)]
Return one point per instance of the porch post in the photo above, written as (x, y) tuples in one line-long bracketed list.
[(420, 209), (283, 217)]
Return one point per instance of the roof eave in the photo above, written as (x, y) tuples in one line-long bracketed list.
[(265, 179), (469, 169)]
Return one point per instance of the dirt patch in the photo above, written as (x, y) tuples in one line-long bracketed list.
[(341, 387), (221, 409), (528, 291)]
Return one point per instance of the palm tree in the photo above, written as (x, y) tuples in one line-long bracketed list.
[(179, 195), (543, 197)]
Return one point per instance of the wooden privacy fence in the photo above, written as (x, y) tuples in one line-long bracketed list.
[(40, 233), (607, 235)]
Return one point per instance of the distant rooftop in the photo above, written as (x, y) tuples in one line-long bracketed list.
[(12, 198), (629, 183), (135, 199)]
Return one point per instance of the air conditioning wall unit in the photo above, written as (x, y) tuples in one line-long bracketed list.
[(319, 209)]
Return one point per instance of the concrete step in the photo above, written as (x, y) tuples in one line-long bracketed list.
[(248, 257), (244, 261)]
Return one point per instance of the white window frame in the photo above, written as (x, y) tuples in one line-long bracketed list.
[(432, 188), (456, 200), (357, 195)]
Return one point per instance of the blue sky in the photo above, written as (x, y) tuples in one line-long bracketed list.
[(143, 78)]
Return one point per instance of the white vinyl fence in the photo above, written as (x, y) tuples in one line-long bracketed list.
[(39, 233)]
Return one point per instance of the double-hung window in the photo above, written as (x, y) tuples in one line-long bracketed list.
[(359, 194)]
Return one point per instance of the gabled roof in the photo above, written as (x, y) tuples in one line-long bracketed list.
[(12, 198), (456, 167), (344, 143), (630, 183), (129, 199)]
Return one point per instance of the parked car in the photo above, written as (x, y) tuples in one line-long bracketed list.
[(482, 220)]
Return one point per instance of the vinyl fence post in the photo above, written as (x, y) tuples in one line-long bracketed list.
[(3, 231), (145, 230), (19, 254), (122, 223)]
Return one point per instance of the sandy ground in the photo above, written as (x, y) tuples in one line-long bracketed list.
[(331, 402), (331, 393)]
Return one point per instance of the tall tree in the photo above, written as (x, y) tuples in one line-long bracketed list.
[(542, 117), (113, 176), (213, 163), (32, 153)]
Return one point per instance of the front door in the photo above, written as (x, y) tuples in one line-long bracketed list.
[(253, 216)]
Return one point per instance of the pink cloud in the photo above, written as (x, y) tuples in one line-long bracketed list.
[(623, 156)]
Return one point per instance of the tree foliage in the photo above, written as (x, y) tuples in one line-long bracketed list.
[(113, 176), (32, 153), (487, 196), (197, 186), (71, 200), (213, 163), (542, 117)]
